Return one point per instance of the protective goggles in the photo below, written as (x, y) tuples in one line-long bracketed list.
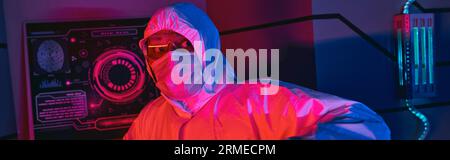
[(161, 43)]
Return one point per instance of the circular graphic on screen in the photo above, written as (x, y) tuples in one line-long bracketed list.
[(50, 56), (118, 76)]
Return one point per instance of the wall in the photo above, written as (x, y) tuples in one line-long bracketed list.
[(295, 40), (7, 121), (350, 67), (19, 11)]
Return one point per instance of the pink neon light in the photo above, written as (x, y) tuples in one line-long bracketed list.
[(68, 83), (73, 40), (110, 85)]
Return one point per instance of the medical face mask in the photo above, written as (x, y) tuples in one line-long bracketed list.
[(165, 66)]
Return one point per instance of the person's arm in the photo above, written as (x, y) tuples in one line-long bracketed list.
[(358, 122), (328, 117)]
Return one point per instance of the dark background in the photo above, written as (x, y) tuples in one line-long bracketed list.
[(322, 52)]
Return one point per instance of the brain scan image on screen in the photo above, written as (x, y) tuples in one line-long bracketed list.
[(50, 56)]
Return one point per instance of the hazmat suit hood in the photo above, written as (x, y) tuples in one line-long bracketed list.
[(192, 23)]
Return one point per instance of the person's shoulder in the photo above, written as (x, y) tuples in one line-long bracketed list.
[(249, 91), (153, 105), (245, 93), (157, 101)]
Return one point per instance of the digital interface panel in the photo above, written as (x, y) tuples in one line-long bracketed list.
[(86, 80)]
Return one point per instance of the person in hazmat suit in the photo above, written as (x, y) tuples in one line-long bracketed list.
[(234, 111)]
